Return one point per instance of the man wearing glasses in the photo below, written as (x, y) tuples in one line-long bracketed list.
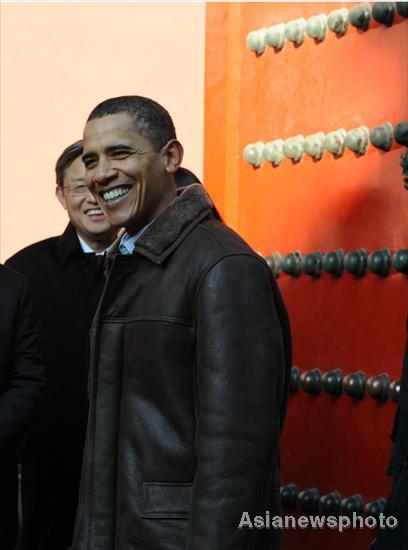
[(66, 280)]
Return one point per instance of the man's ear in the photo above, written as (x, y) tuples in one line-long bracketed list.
[(174, 155), (60, 196)]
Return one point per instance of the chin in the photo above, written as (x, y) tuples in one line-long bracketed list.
[(104, 231), (118, 221), (117, 224)]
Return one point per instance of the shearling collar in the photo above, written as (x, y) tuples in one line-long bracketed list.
[(164, 235)]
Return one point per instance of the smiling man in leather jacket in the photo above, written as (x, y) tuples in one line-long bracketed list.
[(190, 356)]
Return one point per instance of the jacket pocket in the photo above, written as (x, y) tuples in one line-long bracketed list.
[(161, 500)]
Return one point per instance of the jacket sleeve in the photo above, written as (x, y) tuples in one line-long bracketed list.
[(240, 376), (26, 379)]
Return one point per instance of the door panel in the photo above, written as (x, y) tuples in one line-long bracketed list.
[(331, 443)]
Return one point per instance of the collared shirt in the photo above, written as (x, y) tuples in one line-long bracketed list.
[(87, 249), (128, 242)]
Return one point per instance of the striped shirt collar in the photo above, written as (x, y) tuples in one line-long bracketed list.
[(128, 242), (87, 249)]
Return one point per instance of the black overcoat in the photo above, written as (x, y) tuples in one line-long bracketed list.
[(66, 286), (22, 381), (22, 376)]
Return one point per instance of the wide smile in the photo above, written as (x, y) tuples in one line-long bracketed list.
[(95, 214), (113, 196)]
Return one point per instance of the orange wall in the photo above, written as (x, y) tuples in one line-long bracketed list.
[(57, 62)]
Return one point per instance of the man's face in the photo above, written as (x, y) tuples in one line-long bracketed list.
[(83, 210), (129, 179)]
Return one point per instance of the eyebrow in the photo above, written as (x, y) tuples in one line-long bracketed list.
[(118, 146), (109, 149)]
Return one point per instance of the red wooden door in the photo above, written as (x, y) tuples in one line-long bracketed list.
[(331, 443)]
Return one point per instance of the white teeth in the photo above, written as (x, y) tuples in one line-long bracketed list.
[(115, 193), (95, 212)]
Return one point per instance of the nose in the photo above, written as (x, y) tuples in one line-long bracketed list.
[(103, 173), (90, 197)]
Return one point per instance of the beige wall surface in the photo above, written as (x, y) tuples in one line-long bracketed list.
[(57, 62)]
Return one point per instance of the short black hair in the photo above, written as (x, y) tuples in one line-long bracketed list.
[(151, 120), (185, 177), (66, 158)]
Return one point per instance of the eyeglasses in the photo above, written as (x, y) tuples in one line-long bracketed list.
[(78, 191)]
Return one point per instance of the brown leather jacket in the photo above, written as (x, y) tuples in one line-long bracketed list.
[(189, 377)]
